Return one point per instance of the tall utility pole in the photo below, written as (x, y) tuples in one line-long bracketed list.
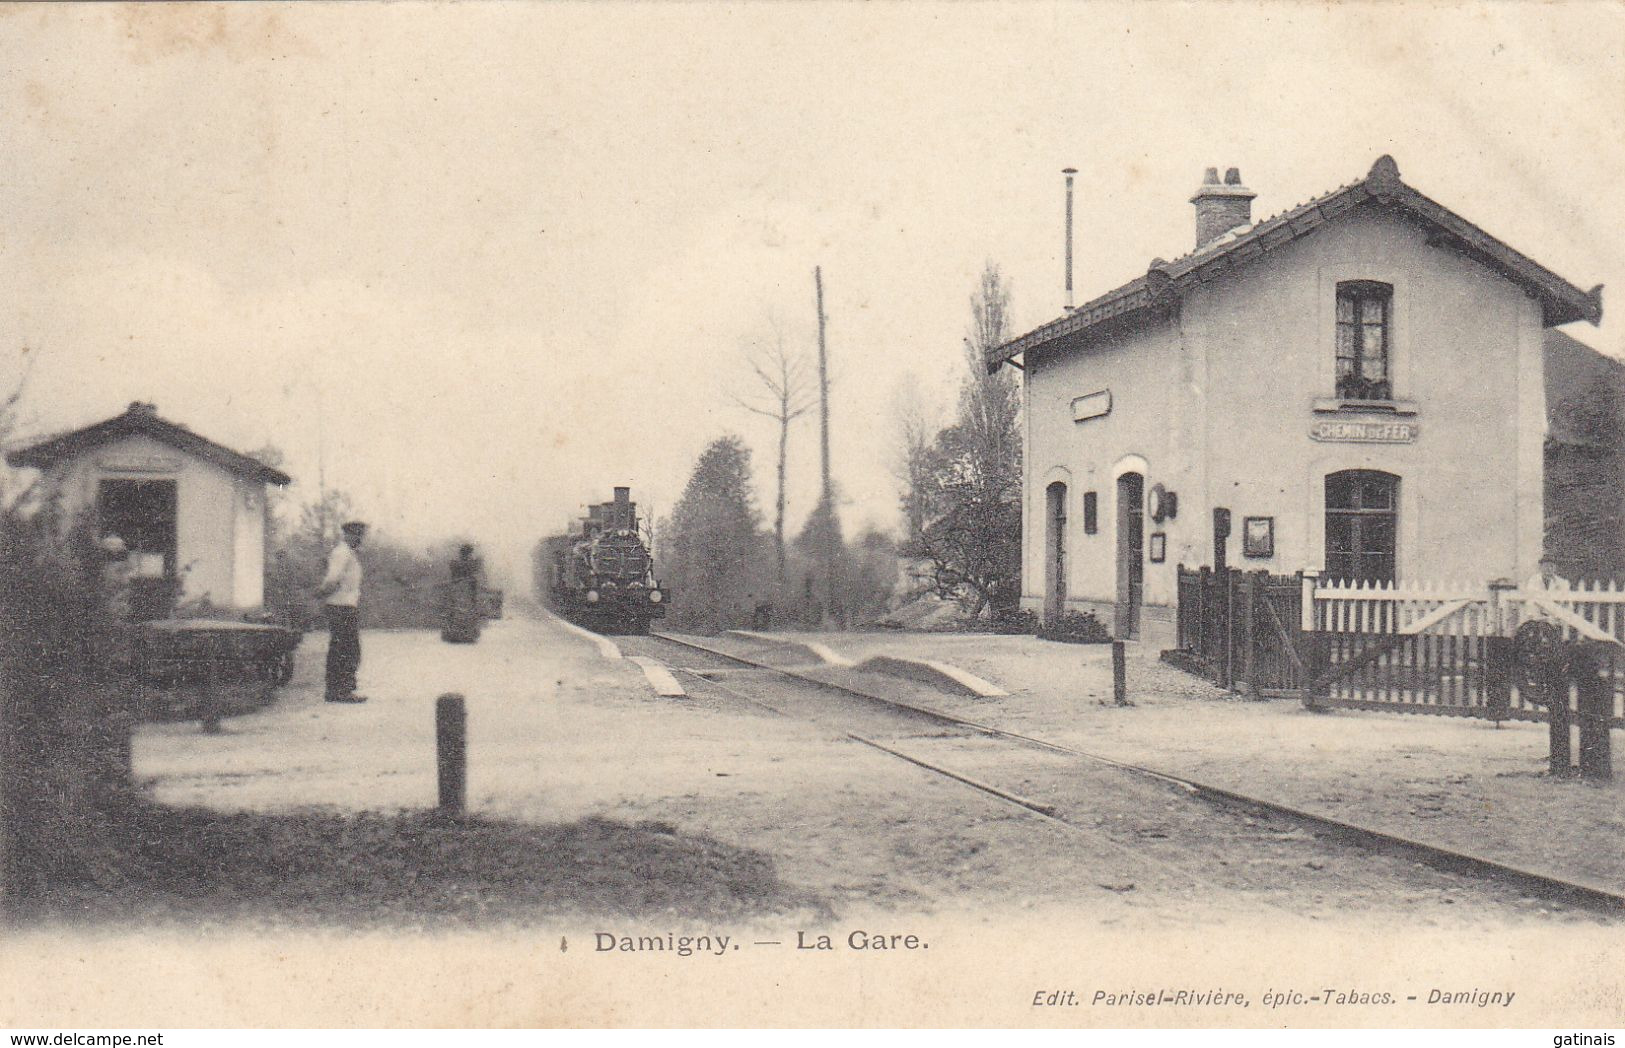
[(823, 381), (827, 500), (1069, 172)]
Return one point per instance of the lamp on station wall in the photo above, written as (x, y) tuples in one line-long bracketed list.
[(1221, 533)]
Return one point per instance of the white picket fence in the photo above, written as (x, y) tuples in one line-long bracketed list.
[(1436, 655), (1593, 610)]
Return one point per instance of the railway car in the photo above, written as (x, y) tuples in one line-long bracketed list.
[(603, 574)]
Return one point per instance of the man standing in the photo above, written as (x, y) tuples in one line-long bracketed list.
[(341, 592), (462, 600)]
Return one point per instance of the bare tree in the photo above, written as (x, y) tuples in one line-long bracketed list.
[(784, 393)]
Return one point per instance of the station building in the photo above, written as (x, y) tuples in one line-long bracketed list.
[(1353, 386), (193, 513)]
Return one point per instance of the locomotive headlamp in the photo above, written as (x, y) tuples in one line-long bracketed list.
[(655, 597), (592, 596)]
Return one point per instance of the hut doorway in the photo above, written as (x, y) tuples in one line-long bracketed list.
[(144, 514)]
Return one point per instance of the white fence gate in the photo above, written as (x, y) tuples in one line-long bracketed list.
[(1445, 647)]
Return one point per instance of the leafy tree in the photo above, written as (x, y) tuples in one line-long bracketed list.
[(918, 422), (1585, 476), (871, 576), (967, 488), (823, 561), (714, 550), (399, 591)]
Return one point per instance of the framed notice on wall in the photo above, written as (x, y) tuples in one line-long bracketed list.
[(1258, 537), (1158, 550)]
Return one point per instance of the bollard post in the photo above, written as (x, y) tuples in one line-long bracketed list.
[(210, 714), (1557, 722), (1119, 674), (451, 752), (1595, 695)]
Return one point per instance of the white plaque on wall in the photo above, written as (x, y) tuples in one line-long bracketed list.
[(1365, 432), (139, 464), (1091, 405)]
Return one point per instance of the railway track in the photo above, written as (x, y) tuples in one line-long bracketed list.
[(1143, 816)]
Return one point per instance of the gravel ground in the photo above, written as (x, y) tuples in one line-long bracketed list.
[(714, 816), (1464, 784), (558, 735)]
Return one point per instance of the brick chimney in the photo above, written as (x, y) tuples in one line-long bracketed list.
[(1221, 208)]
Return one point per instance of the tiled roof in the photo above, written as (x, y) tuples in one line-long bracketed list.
[(1162, 284), (142, 419)]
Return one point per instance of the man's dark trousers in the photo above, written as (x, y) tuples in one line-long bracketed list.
[(343, 651)]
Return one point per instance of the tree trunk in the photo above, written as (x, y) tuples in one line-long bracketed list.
[(778, 518)]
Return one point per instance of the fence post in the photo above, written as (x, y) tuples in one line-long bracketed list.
[(1317, 659), (1204, 605), (1181, 612), (1498, 607), (1557, 722), (1227, 633), (1498, 677), (1306, 611), (1249, 630), (451, 752), (1498, 653), (1596, 701)]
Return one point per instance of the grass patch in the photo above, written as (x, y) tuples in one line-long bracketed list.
[(418, 868)]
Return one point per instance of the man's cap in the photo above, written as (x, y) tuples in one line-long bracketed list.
[(353, 526)]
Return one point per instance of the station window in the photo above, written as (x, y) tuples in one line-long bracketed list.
[(1364, 339), (1091, 515), (1362, 525)]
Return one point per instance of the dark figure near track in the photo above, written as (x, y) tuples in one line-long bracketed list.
[(461, 600), (340, 592)]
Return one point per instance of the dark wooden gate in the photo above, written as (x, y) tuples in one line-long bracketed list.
[(1242, 629)]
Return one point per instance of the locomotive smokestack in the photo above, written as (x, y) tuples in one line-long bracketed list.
[(1069, 172)]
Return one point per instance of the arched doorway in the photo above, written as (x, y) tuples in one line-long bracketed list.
[(1130, 553), (1054, 551)]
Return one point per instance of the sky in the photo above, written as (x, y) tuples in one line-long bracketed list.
[(477, 264)]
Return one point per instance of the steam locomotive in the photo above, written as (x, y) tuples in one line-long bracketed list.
[(603, 575)]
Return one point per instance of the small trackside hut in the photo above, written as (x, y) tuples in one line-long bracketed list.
[(193, 517), (192, 512)]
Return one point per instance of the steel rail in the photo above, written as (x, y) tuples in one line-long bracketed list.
[(1045, 812), (1435, 856)]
